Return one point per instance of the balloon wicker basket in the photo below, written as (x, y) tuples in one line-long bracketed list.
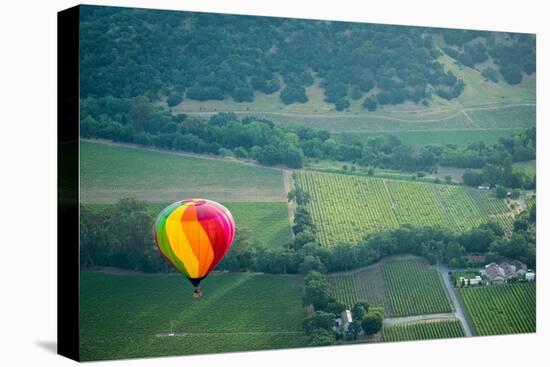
[(197, 293)]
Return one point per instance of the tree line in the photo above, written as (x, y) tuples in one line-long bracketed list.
[(137, 120), (120, 235)]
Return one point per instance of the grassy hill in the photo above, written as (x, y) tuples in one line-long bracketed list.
[(485, 111), (129, 316)]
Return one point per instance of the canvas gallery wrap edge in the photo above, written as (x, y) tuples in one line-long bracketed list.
[(236, 183)]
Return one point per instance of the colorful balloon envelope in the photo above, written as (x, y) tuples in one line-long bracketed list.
[(193, 236)]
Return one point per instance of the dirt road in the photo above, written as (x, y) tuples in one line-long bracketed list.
[(459, 312)]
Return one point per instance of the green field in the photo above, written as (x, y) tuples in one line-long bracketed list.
[(122, 316), (510, 117), (267, 222), (423, 330), (110, 172), (404, 287), (501, 309), (362, 285), (462, 138), (345, 207), (497, 119)]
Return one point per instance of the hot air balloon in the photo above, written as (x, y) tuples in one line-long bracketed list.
[(193, 236)]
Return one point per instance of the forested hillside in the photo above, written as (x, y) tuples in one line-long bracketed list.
[(198, 56)]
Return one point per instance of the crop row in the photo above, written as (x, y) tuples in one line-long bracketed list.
[(423, 330), (365, 285), (501, 309), (401, 287), (460, 208), (346, 208), (487, 202), (414, 288)]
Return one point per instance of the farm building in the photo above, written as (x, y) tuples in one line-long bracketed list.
[(518, 265), (521, 273), (505, 271), (484, 186), (471, 281), (346, 317), (509, 270), (494, 273), (476, 259), (343, 321)]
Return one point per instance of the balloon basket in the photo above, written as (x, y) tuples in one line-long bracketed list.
[(197, 293)]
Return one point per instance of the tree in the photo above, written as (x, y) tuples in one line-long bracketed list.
[(370, 104), (303, 237), (341, 104), (372, 322), (359, 310), (472, 178), (448, 179), (500, 192), (355, 93), (533, 214), (119, 236), (521, 223), (321, 337), (130, 241), (269, 155), (455, 253), (311, 263), (355, 328), (240, 152), (490, 74), (511, 73), (294, 158), (293, 94), (174, 99), (141, 115), (243, 94), (318, 320), (336, 307), (317, 291), (329, 147), (94, 243), (301, 197)]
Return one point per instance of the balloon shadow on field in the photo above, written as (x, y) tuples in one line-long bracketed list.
[(48, 345)]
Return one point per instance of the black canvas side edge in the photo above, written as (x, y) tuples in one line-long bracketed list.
[(68, 315)]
